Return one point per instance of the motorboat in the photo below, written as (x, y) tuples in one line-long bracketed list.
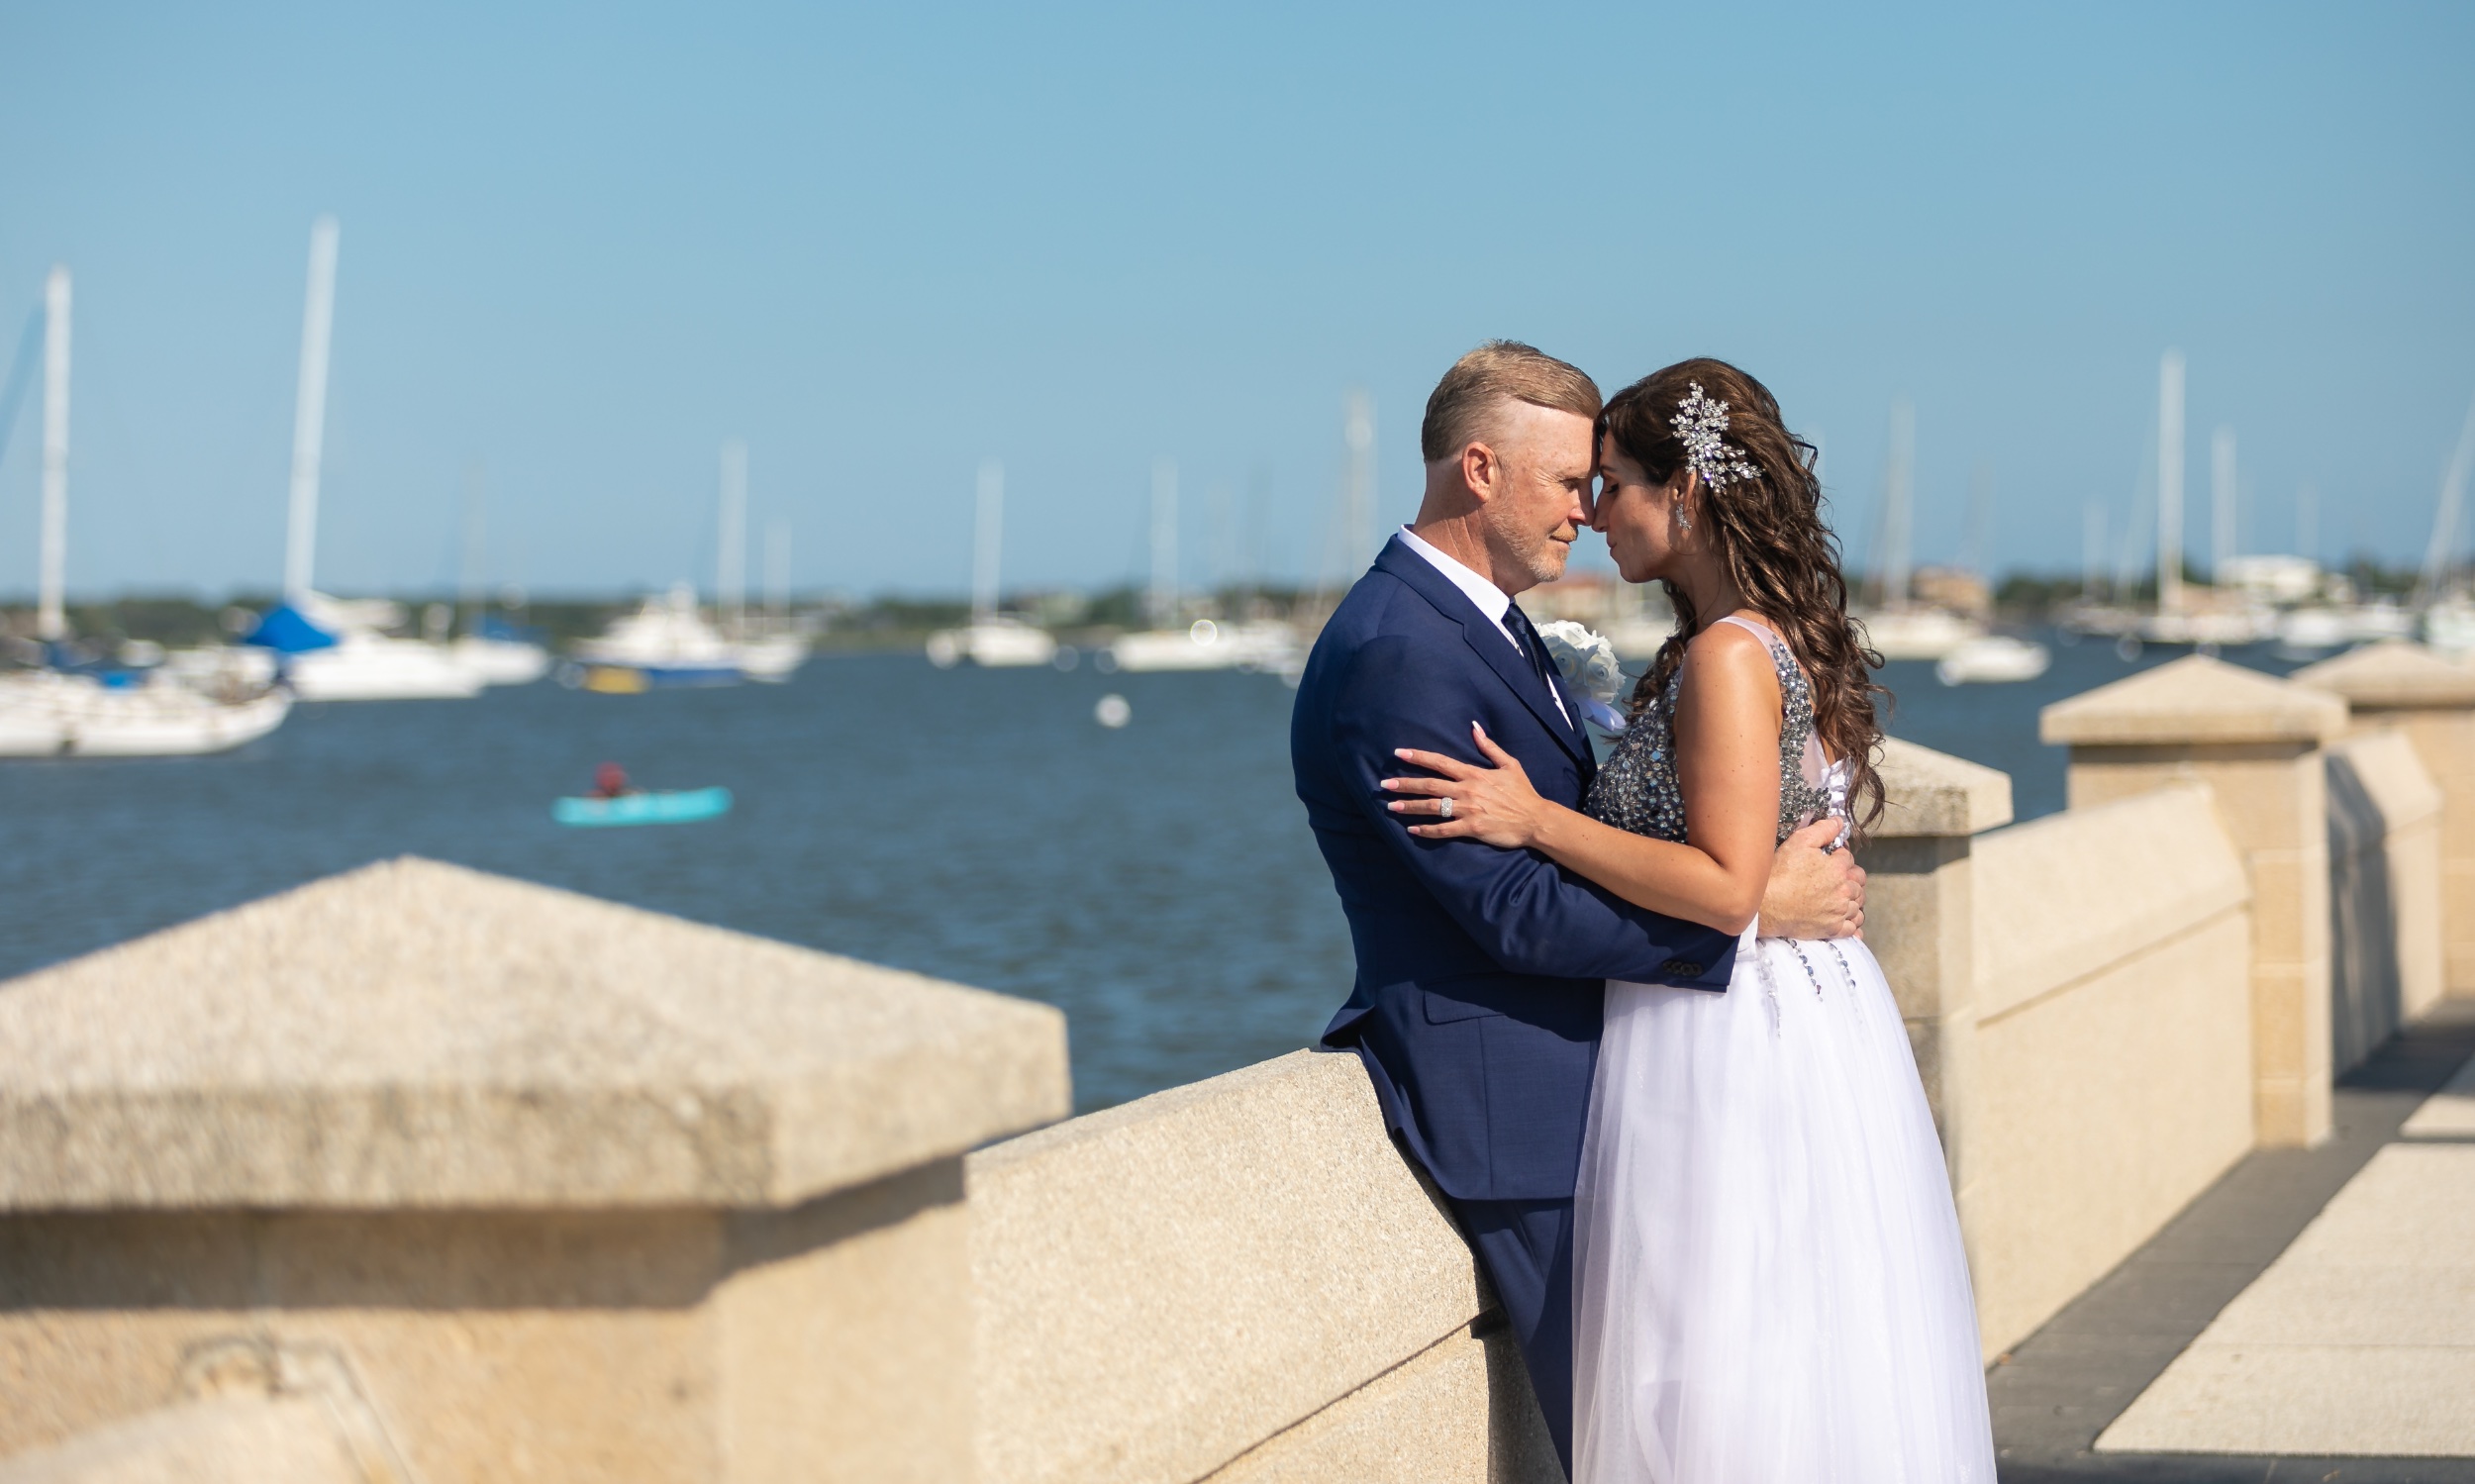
[(679, 806), (53, 713), (669, 644), (1994, 660), (995, 643)]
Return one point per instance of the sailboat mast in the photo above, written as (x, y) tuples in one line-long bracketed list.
[(1896, 537), (731, 562), (1359, 510), (2170, 482), (987, 541), (50, 616), (1163, 541), (2221, 497), (474, 534), (778, 576), (309, 411), (2445, 519)]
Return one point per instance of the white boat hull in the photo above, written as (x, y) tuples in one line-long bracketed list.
[(364, 666), (772, 659), (1207, 646), (1996, 659), (501, 662), (75, 715), (1917, 632), (997, 644)]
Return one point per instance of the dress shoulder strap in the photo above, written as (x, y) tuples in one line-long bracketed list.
[(1764, 631)]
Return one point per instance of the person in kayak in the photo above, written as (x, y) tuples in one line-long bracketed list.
[(610, 781)]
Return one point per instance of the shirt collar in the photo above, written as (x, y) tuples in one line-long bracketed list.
[(1491, 599)]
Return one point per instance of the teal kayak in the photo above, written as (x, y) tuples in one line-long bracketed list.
[(680, 808)]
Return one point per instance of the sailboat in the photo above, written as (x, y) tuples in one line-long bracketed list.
[(1901, 628), (767, 658), (992, 640), (330, 650), (495, 652), (55, 713), (2449, 620), (1210, 644)]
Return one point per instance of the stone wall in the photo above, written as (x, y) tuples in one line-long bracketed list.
[(1238, 1279), (2385, 892), (2113, 1043)]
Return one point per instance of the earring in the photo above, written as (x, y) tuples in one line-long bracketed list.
[(1684, 523)]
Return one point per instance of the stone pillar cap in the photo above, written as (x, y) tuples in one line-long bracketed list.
[(2393, 675), (1934, 793), (2196, 699), (417, 1035)]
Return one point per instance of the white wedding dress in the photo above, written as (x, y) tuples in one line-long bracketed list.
[(1769, 1286)]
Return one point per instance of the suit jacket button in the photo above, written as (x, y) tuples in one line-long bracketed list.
[(1682, 969)]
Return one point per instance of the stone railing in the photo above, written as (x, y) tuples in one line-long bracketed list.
[(416, 1174), (420, 1174)]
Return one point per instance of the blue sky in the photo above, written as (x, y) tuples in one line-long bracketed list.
[(581, 246)]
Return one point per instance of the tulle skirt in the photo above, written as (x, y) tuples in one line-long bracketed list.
[(1768, 1285)]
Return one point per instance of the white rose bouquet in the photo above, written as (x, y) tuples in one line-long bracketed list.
[(1587, 662)]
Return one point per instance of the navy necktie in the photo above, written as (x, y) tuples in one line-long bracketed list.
[(1533, 648)]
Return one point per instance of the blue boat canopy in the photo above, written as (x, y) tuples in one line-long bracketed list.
[(286, 631)]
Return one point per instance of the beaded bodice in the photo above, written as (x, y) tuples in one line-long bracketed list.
[(1636, 791)]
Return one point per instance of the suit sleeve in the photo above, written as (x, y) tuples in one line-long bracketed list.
[(1529, 914)]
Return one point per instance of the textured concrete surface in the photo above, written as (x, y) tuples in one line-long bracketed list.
[(559, 1190), (2256, 743), (2195, 700), (419, 1034), (1934, 793), (1169, 1284), (1460, 1413), (2053, 1393), (218, 1441), (832, 1340), (2433, 703), (2359, 1340), (2393, 675), (2069, 894)]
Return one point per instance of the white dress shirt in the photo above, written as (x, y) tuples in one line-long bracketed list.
[(1491, 599)]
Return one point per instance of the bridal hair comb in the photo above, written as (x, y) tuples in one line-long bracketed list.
[(1698, 423)]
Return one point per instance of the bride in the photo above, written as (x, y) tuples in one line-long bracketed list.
[(1768, 1280)]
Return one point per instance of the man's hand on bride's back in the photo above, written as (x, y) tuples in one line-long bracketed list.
[(1814, 892)]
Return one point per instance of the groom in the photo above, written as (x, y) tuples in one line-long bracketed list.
[(1480, 972)]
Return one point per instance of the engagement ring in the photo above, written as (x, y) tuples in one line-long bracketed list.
[(1446, 809)]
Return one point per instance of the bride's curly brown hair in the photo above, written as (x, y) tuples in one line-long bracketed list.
[(1769, 533)]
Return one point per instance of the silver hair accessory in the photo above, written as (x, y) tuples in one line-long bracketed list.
[(1446, 809), (1698, 423)]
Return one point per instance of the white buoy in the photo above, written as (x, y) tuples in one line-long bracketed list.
[(1113, 711)]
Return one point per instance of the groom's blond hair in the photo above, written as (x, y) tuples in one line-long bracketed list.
[(1463, 407)]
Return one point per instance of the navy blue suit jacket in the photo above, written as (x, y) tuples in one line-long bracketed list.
[(1481, 972)]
